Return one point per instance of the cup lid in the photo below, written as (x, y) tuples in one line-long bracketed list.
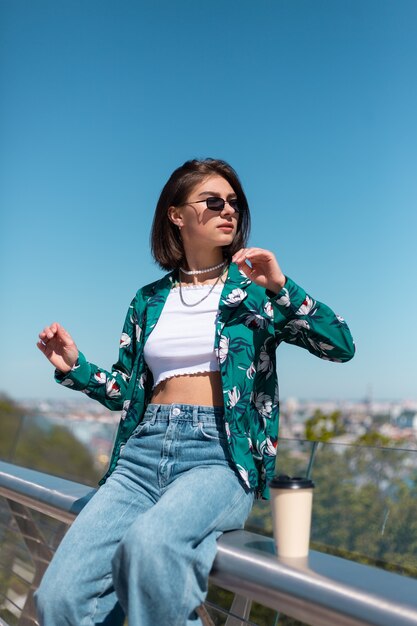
[(291, 482)]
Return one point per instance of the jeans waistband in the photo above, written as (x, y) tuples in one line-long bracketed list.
[(193, 413)]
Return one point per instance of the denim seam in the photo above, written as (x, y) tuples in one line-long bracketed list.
[(95, 599), (217, 437), (211, 529), (93, 612), (222, 515), (182, 618)]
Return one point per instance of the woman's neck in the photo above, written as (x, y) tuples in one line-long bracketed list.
[(207, 267), (202, 260), (203, 279)]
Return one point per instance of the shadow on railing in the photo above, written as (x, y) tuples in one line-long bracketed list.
[(323, 590)]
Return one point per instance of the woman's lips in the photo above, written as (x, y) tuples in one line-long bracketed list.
[(227, 227)]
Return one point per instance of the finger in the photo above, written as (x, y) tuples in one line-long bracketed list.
[(243, 265), (241, 257), (61, 331), (48, 332), (45, 348), (245, 269), (253, 255), (64, 336), (240, 254), (57, 328), (259, 254)]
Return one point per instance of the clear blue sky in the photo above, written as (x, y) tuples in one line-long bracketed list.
[(314, 104)]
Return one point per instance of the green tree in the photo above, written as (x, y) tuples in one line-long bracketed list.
[(54, 450), (322, 427), (11, 420), (374, 438)]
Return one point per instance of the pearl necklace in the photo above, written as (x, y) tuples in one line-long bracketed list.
[(205, 271)]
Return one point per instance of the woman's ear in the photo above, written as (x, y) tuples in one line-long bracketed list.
[(175, 215)]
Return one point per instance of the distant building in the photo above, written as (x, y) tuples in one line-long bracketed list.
[(407, 419)]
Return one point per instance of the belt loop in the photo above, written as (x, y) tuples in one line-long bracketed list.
[(154, 409), (196, 419)]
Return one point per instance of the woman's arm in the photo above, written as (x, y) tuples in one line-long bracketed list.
[(298, 319), (310, 324), (75, 372)]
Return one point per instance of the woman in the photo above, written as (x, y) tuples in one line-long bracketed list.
[(196, 383)]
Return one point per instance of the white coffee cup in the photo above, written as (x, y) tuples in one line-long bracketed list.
[(291, 502)]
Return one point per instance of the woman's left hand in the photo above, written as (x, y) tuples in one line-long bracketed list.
[(263, 269)]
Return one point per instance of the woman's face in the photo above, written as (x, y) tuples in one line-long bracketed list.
[(204, 227)]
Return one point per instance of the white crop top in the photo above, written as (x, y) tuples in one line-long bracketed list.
[(182, 341)]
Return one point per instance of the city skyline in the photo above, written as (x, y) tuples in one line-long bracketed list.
[(313, 105)]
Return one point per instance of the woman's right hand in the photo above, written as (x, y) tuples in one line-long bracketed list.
[(58, 346)]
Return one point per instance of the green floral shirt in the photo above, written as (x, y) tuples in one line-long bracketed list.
[(250, 324)]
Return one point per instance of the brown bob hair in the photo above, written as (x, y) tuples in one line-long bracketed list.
[(166, 244)]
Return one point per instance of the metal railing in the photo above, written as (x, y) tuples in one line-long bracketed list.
[(322, 590)]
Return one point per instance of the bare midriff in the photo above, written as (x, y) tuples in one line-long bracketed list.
[(203, 389)]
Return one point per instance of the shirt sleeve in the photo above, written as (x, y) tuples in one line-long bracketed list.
[(310, 324), (108, 387)]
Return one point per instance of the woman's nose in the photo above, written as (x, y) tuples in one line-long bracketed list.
[(227, 209)]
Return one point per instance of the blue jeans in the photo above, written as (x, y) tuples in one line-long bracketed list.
[(145, 543)]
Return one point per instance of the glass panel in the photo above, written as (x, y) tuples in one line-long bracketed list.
[(365, 501), (76, 449), (16, 568)]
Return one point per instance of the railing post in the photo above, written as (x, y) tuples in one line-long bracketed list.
[(239, 611)]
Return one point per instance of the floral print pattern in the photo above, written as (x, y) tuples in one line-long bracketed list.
[(250, 325), (125, 340), (235, 297), (100, 377), (223, 349)]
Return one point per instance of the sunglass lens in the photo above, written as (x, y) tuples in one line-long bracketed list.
[(234, 205), (216, 204)]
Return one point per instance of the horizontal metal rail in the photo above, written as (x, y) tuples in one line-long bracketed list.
[(322, 590)]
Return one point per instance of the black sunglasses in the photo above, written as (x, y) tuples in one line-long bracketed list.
[(214, 203)]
